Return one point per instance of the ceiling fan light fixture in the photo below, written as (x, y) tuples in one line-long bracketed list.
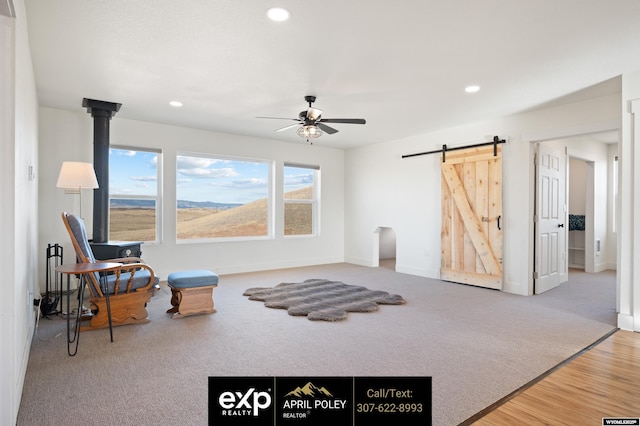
[(314, 113), (309, 131)]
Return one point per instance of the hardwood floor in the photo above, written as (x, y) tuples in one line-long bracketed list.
[(601, 382)]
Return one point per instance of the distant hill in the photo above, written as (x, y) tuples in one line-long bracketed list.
[(182, 204), (135, 220), (119, 203), (249, 219), (131, 204), (185, 204), (246, 220)]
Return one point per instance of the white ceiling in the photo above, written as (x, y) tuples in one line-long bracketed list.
[(401, 65)]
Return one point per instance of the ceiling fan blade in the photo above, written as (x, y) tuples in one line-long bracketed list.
[(291, 126), (314, 113), (326, 129), (344, 120), (280, 118)]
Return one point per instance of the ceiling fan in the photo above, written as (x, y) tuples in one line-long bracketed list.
[(311, 124)]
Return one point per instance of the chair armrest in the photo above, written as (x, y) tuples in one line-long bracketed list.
[(132, 268)]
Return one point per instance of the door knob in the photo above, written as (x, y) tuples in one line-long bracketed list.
[(561, 225)]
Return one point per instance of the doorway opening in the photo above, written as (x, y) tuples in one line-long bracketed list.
[(589, 212), (385, 247)]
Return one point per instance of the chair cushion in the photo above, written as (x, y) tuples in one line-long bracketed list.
[(190, 279), (80, 233), (140, 279)]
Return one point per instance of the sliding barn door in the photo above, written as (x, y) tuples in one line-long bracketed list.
[(472, 217)]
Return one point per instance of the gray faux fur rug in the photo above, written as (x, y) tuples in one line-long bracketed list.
[(322, 300)]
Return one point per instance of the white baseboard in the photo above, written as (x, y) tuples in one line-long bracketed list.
[(515, 288), (625, 322), (603, 266), (417, 271), (359, 261)]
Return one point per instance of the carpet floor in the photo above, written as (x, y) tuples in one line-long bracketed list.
[(478, 345)]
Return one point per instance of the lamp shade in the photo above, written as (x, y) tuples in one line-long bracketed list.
[(77, 175)]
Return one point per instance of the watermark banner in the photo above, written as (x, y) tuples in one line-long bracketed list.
[(621, 421), (319, 401)]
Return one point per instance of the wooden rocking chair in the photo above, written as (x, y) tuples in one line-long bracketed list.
[(130, 287)]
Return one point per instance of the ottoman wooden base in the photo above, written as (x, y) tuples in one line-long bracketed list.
[(191, 301)]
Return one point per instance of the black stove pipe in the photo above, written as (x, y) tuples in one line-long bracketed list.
[(101, 112)]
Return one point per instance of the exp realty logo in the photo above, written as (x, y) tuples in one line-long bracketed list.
[(314, 401), (241, 401)]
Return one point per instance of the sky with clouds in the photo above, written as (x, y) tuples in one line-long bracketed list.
[(199, 178)]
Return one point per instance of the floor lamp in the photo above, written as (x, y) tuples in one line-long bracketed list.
[(75, 176)]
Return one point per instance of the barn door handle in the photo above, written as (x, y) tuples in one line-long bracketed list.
[(498, 221)]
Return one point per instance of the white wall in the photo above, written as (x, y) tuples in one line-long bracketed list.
[(8, 308), (577, 190), (629, 206), (383, 189), (18, 214), (68, 135)]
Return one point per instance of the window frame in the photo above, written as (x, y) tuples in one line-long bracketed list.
[(270, 197), (157, 197), (314, 201), (614, 189)]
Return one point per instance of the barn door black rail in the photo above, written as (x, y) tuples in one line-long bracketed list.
[(495, 142)]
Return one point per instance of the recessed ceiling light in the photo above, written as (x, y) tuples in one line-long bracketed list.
[(175, 103), (278, 14), (472, 89)]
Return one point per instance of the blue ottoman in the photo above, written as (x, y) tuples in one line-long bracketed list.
[(192, 292)]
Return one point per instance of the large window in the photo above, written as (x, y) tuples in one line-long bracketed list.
[(301, 188), (222, 197), (134, 194)]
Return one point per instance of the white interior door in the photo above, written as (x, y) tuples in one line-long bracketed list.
[(550, 265)]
